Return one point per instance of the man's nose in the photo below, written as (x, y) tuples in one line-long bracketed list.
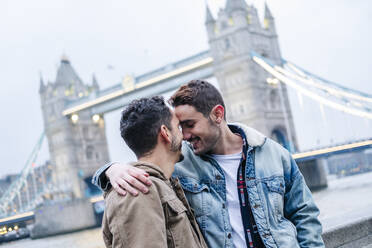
[(186, 134)]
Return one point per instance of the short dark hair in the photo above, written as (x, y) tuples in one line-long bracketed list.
[(141, 121), (199, 94)]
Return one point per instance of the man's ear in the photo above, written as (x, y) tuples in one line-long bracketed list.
[(218, 114), (165, 133)]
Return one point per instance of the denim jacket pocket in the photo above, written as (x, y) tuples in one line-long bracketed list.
[(192, 185), (275, 195), (276, 184), (198, 195)]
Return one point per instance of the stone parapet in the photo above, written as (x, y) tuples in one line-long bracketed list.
[(357, 234), (63, 217)]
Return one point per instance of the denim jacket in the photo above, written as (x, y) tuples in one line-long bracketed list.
[(282, 205)]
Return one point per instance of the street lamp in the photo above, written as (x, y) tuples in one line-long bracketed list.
[(74, 118), (272, 81), (96, 118)]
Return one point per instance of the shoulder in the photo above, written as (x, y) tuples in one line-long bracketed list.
[(273, 156), (159, 188), (275, 147), (115, 201), (254, 137)]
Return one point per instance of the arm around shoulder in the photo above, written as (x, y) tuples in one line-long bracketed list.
[(99, 178)]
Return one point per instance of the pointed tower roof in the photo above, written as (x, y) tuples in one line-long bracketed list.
[(94, 81), (64, 58), (208, 17), (232, 5), (42, 85), (66, 74), (268, 14)]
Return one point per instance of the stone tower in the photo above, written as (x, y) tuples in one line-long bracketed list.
[(77, 146), (249, 98)]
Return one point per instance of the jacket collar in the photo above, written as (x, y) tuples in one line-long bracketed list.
[(254, 138), (153, 169)]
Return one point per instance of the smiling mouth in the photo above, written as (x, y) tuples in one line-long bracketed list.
[(194, 142)]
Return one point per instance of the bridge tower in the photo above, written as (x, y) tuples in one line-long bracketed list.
[(77, 145), (250, 97)]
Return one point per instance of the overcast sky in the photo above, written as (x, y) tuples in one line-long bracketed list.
[(113, 38)]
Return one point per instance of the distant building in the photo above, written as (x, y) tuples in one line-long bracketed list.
[(77, 146)]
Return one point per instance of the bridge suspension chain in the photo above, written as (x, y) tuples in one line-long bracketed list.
[(327, 93), (330, 86)]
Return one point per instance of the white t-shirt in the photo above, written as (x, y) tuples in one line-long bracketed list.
[(230, 165)]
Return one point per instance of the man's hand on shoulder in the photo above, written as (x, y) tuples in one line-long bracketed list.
[(127, 178)]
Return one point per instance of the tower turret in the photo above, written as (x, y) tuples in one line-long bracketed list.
[(269, 23), (233, 5), (95, 83), (253, 19), (236, 10), (209, 21), (42, 85), (66, 74)]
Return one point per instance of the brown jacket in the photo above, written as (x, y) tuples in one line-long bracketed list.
[(161, 218)]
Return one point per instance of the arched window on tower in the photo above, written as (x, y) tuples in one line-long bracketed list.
[(89, 152), (227, 43), (274, 99), (279, 136), (241, 108), (224, 25)]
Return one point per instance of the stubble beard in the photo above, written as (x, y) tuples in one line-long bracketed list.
[(212, 139), (176, 146)]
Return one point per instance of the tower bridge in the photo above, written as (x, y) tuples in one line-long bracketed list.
[(245, 61)]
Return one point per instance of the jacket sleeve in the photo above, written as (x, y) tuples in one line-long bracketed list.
[(136, 221), (301, 210), (99, 178)]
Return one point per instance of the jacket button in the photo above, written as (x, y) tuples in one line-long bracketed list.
[(256, 205), (218, 177), (223, 205), (229, 235)]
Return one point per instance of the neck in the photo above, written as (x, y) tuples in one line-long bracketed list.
[(229, 142), (162, 158)]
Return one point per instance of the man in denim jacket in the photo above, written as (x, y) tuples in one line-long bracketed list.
[(245, 189)]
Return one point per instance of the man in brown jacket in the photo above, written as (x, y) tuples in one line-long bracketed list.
[(162, 218)]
